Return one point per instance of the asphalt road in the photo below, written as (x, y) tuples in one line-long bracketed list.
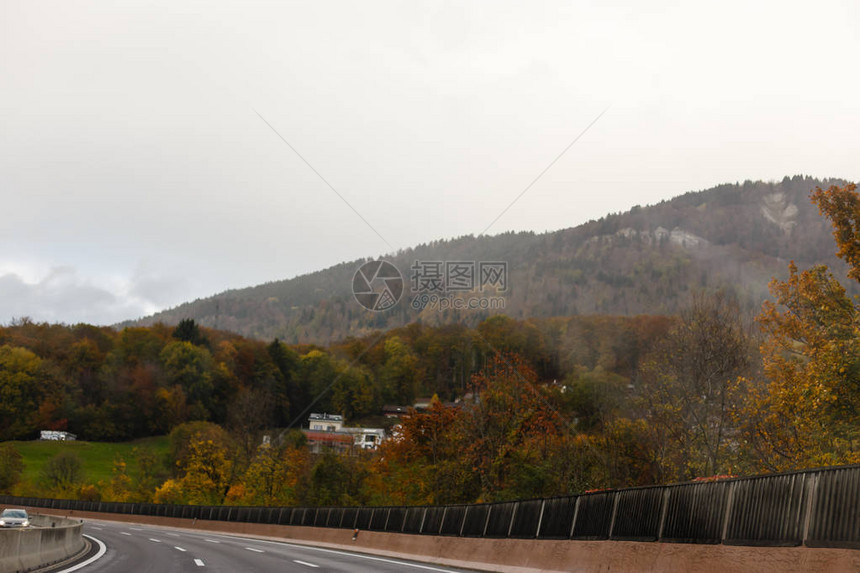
[(149, 549)]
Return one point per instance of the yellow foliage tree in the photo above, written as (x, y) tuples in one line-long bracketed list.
[(207, 478), (272, 477)]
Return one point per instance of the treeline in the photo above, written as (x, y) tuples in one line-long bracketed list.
[(105, 385)]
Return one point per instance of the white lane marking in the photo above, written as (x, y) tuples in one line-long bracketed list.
[(179, 549), (199, 562), (136, 528), (98, 555), (155, 540), (96, 528), (304, 563), (255, 550), (124, 533), (345, 554), (211, 541)]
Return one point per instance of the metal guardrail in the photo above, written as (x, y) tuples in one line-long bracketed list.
[(816, 508)]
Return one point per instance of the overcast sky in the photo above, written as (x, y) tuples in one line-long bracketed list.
[(136, 173)]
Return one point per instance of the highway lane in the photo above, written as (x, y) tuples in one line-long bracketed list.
[(154, 549)]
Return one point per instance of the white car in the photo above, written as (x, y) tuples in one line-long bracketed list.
[(14, 518)]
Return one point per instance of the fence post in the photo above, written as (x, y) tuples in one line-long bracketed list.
[(513, 517), (811, 487), (423, 519), (540, 518), (442, 521), (615, 496), (575, 515), (663, 513), (730, 499), (465, 518), (487, 521)]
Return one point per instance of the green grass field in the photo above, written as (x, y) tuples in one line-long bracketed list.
[(96, 457)]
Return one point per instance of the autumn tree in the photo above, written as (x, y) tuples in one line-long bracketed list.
[(120, 486), (63, 473), (315, 373), (399, 375), (353, 393), (689, 389), (842, 206), (507, 425), (274, 476), (11, 467), (207, 472), (190, 367), (184, 435), (19, 391), (286, 388), (808, 413), (248, 417), (423, 462), (188, 331), (335, 480)]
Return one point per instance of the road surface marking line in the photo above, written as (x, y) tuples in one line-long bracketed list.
[(136, 528), (179, 549), (96, 528), (174, 534), (102, 550), (255, 550), (124, 533), (199, 562), (211, 541), (346, 553), (304, 563), (155, 540)]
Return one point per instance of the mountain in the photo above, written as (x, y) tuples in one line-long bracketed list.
[(645, 261)]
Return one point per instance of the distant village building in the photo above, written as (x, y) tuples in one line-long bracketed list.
[(367, 438), (325, 422), (326, 431), (56, 435), (390, 411)]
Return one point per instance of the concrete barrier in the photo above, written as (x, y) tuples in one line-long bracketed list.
[(50, 539), (532, 555)]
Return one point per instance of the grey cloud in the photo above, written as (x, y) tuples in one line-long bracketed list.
[(64, 296), (158, 289)]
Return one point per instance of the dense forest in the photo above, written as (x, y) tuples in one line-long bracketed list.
[(645, 261), (519, 408), (109, 385)]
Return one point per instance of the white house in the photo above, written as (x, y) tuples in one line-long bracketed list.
[(328, 430), (325, 422), (367, 438), (56, 435)]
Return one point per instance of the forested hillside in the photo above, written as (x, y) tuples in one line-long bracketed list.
[(645, 261)]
